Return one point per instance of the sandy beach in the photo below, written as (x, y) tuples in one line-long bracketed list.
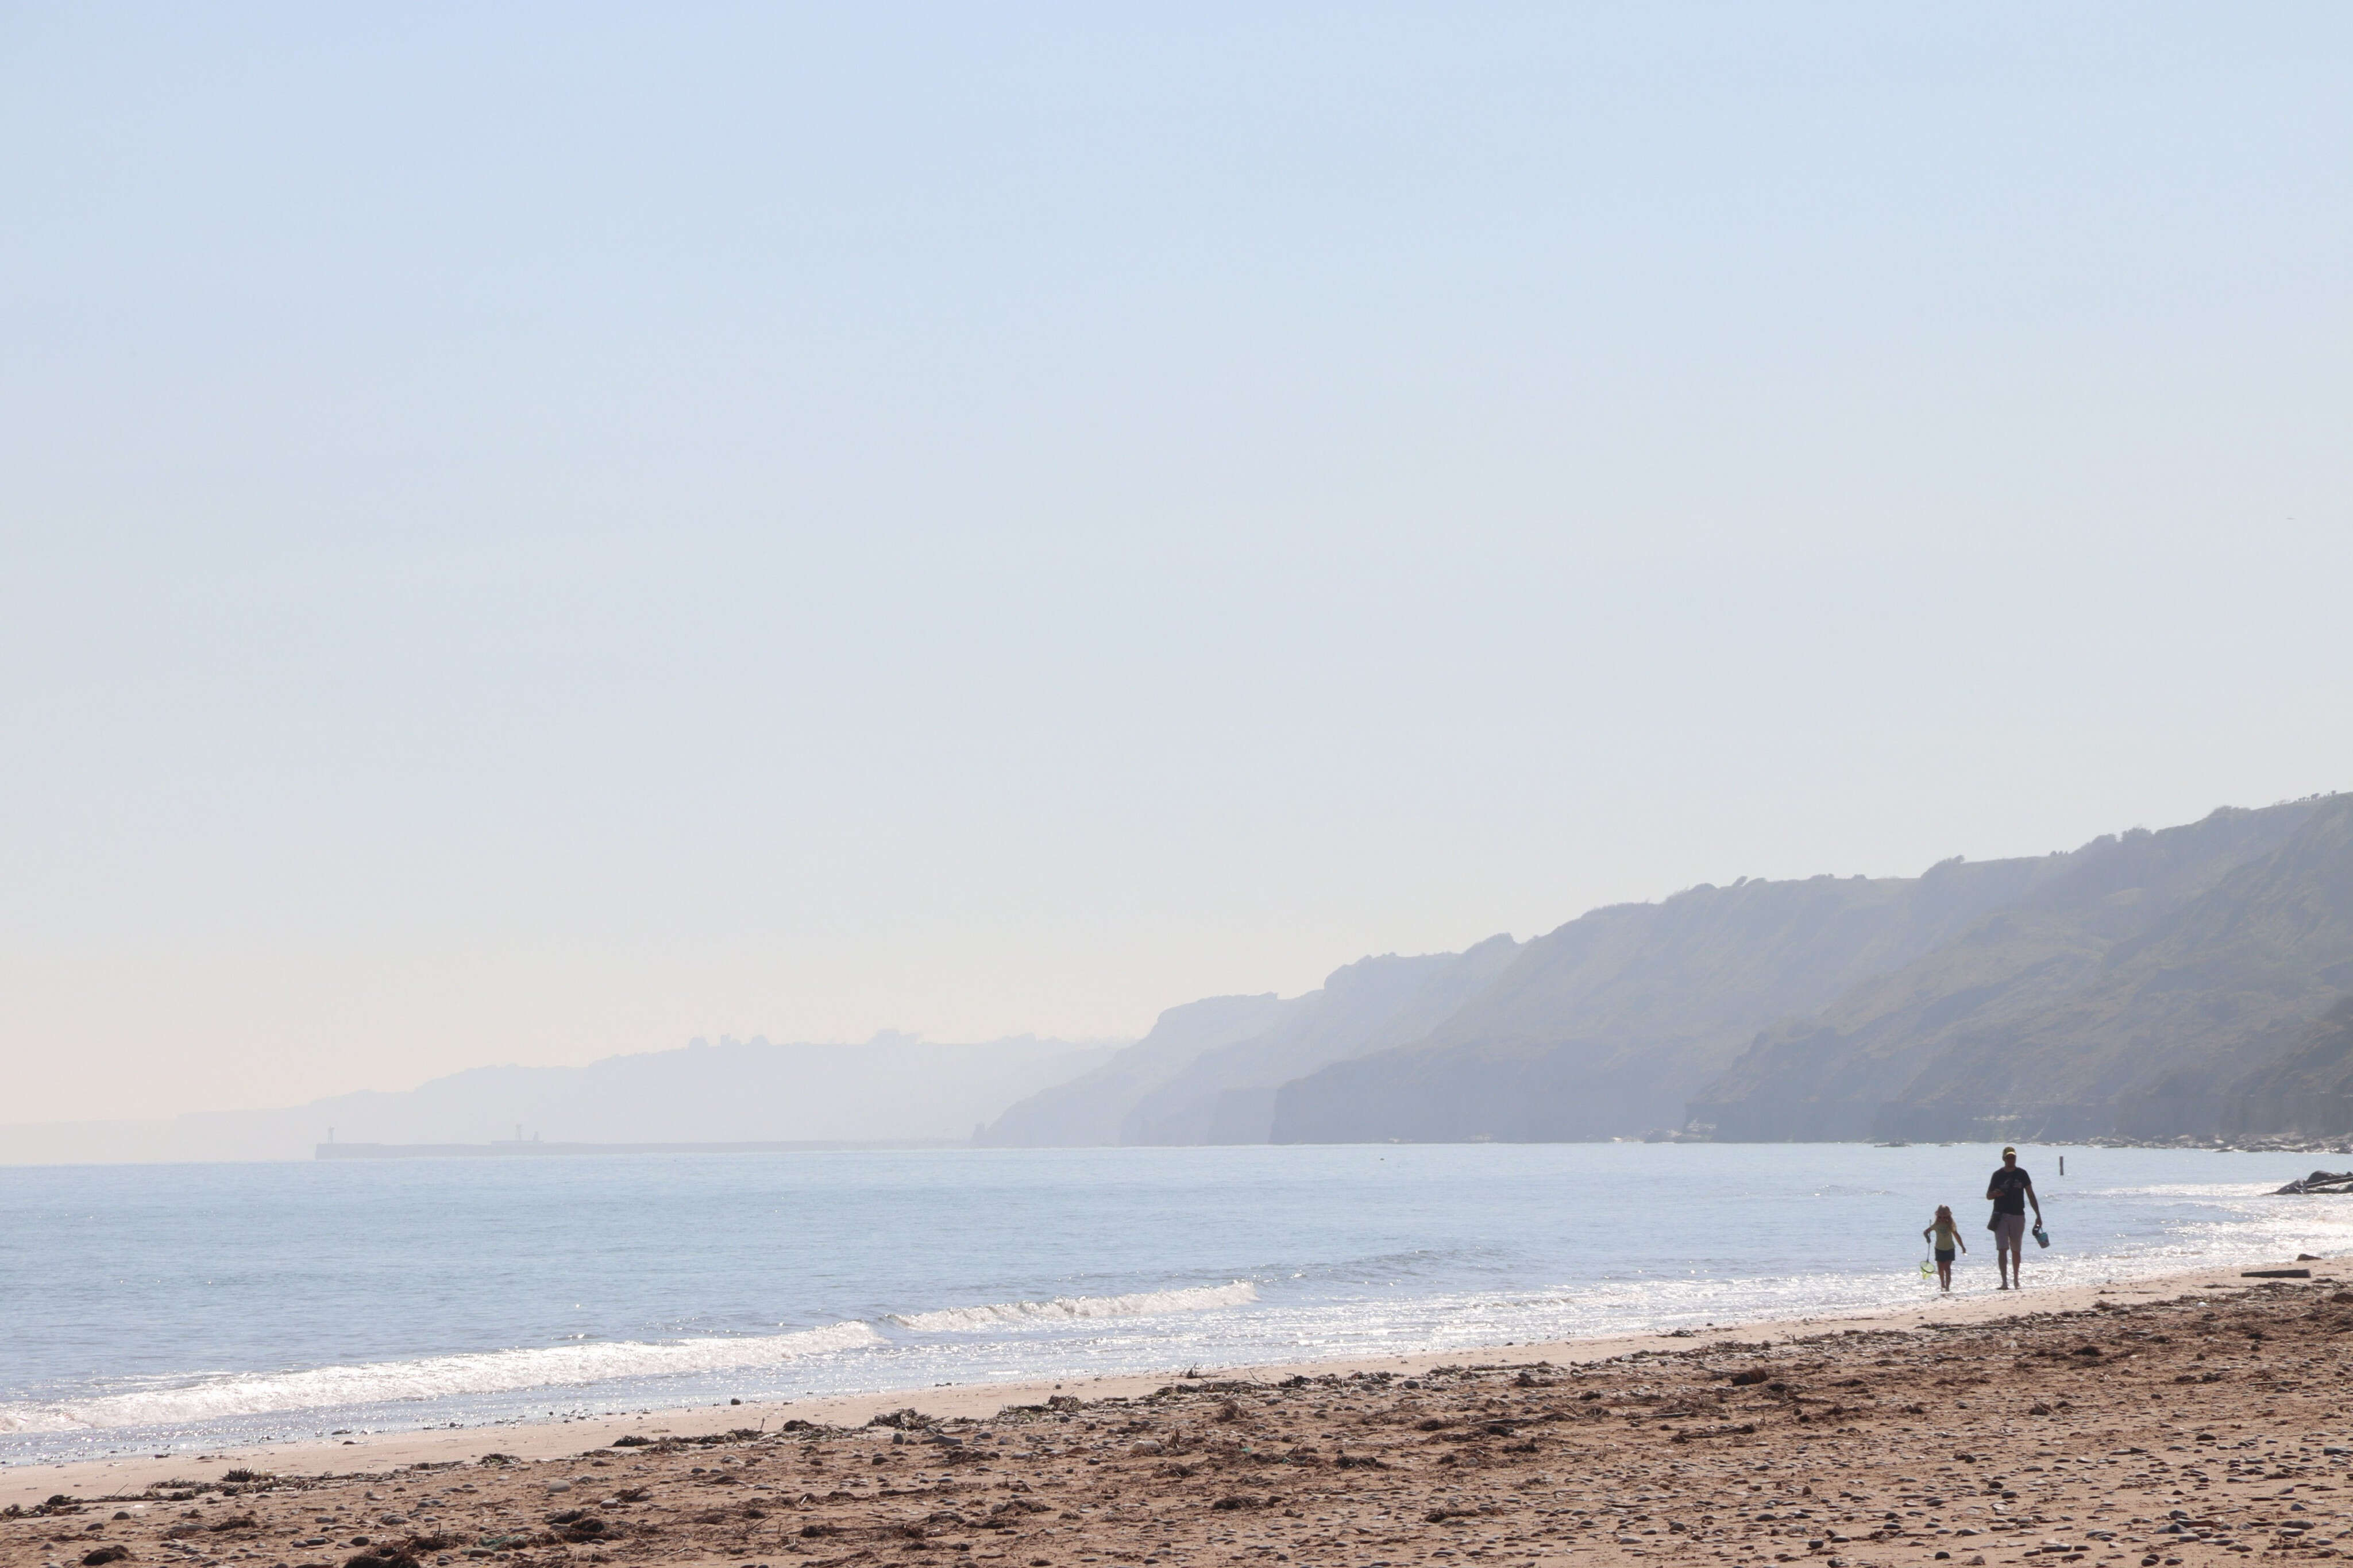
[(2153, 1422)]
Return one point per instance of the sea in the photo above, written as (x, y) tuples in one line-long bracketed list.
[(197, 1307)]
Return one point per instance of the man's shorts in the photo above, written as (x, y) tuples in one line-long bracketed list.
[(2010, 1229)]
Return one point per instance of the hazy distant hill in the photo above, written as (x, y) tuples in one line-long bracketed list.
[(1227, 1095), (893, 1088), (2308, 1092), (1209, 1070), (2121, 994), (2127, 986), (1087, 1110), (1604, 1027)]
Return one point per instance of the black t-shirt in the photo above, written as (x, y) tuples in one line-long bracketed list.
[(2009, 1184)]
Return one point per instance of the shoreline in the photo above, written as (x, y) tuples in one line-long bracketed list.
[(24, 1130), (24, 1484)]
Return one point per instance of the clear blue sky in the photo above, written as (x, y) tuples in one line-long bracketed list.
[(539, 531)]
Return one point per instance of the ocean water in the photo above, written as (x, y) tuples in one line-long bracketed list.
[(197, 1306)]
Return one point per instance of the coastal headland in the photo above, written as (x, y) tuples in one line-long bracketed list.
[(2162, 1423)]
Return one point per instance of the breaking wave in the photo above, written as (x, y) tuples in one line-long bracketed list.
[(432, 1377), (1068, 1308), (556, 1366)]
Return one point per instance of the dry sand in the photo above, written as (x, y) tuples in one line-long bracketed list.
[(2159, 1421)]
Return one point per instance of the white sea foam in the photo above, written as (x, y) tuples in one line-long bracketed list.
[(1065, 1308), (433, 1377)]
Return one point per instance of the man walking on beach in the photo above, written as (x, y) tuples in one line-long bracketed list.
[(2012, 1190)]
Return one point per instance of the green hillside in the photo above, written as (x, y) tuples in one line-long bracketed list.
[(2120, 997), (1608, 1025)]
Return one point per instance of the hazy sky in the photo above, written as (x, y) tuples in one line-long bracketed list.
[(540, 530)]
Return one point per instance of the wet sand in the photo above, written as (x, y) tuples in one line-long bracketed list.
[(2160, 1422)]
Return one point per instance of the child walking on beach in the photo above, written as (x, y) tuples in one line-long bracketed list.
[(1945, 1237)]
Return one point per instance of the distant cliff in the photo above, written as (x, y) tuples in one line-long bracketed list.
[(2306, 1093), (1087, 1109), (1209, 1071), (1606, 1026), (2122, 995), (1227, 1095), (2140, 985)]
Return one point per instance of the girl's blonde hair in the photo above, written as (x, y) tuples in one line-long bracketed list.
[(1944, 1211)]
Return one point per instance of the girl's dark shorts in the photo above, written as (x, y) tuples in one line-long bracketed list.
[(1944, 1255)]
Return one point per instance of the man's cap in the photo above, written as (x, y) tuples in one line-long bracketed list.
[(2010, 1148)]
